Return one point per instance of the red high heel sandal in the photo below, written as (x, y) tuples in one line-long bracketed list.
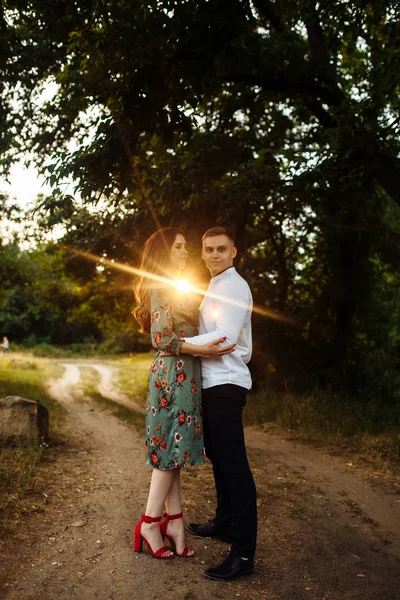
[(163, 530), (139, 539)]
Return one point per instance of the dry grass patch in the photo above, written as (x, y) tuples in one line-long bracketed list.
[(20, 487)]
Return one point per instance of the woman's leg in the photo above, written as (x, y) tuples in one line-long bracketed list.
[(160, 486), (173, 500), (176, 528)]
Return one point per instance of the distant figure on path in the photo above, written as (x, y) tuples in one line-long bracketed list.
[(5, 345)]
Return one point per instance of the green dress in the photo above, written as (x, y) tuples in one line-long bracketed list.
[(174, 424)]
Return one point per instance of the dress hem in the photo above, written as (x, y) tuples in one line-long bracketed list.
[(179, 468)]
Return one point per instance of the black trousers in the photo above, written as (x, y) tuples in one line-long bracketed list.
[(236, 511)]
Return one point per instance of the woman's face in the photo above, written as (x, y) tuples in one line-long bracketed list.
[(178, 254)]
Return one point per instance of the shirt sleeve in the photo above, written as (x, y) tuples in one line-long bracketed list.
[(162, 332), (230, 309)]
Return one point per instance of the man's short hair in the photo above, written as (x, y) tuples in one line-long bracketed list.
[(218, 231)]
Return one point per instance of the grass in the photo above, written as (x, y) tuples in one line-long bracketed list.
[(19, 485), (105, 349), (361, 432), (132, 375), (45, 350), (25, 376)]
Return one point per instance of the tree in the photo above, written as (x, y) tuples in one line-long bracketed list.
[(277, 118), (334, 66)]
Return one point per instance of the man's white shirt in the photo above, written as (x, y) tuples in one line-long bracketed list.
[(226, 312)]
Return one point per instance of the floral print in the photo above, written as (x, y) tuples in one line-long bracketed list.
[(174, 424)]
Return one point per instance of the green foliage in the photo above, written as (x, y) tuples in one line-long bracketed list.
[(49, 295), (332, 71)]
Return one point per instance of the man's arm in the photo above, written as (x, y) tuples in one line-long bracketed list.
[(231, 310)]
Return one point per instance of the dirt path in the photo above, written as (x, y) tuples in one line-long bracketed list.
[(107, 389), (338, 482), (325, 533)]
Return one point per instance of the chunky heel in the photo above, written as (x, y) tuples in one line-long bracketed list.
[(138, 539), (186, 553)]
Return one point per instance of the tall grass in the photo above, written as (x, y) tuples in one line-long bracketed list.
[(368, 431), (321, 412)]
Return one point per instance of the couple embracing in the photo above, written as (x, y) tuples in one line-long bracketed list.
[(198, 383)]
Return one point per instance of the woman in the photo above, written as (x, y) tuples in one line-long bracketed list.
[(174, 427)]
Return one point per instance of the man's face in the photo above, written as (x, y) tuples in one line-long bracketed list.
[(218, 253)]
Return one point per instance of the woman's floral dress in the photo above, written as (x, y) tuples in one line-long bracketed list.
[(174, 424)]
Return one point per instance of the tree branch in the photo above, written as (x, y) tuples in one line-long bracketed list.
[(386, 173), (288, 86), (317, 43), (266, 12)]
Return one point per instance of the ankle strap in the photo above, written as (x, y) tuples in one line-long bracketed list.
[(173, 517), (148, 519)]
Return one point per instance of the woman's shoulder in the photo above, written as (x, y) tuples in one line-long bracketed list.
[(161, 291)]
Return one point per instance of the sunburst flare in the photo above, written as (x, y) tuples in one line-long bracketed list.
[(183, 285)]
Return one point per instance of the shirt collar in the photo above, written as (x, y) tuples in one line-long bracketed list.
[(222, 274)]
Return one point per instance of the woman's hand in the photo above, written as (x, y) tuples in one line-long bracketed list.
[(210, 349), (214, 348)]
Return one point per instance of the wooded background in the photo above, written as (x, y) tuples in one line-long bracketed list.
[(278, 119)]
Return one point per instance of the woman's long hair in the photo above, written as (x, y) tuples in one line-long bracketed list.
[(155, 261)]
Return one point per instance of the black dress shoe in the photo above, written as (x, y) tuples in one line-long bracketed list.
[(211, 529), (232, 568)]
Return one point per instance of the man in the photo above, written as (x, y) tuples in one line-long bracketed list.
[(226, 312)]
